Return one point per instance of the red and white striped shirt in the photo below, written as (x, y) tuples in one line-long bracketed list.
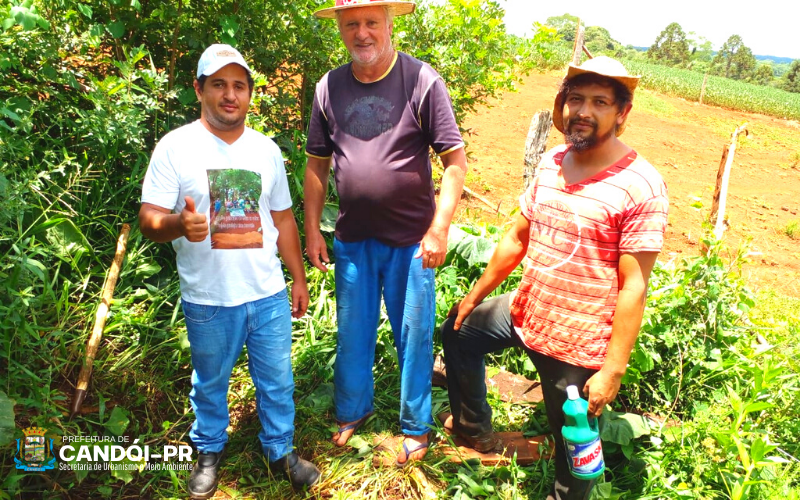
[(565, 303)]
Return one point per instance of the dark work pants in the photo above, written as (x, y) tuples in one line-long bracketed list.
[(488, 329)]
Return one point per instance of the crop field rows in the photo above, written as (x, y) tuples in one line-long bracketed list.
[(722, 92)]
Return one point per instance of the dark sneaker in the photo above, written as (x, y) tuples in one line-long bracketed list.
[(485, 443), (203, 480), (300, 472)]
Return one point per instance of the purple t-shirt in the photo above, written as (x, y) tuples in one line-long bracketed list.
[(379, 136)]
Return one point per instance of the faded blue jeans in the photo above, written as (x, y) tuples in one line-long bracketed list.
[(216, 337), (364, 271)]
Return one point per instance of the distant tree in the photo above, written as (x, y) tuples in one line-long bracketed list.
[(631, 53), (565, 26), (671, 47), (763, 75), (598, 40), (734, 60), (701, 50), (791, 80), (781, 69)]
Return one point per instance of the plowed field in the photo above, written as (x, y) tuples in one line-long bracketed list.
[(684, 141)]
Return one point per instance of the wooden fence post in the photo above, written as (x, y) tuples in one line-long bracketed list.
[(535, 143), (577, 49), (723, 176), (703, 88)]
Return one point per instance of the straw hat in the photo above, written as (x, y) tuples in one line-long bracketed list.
[(600, 65), (398, 7)]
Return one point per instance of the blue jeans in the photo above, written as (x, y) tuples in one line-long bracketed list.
[(216, 337), (364, 271)]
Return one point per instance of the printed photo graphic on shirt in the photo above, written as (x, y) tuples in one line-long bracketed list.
[(368, 117), (555, 235), (235, 219)]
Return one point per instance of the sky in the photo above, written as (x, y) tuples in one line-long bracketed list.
[(768, 27)]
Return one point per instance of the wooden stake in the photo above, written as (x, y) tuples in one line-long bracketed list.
[(535, 143), (703, 88), (578, 47), (425, 488), (723, 176), (99, 322)]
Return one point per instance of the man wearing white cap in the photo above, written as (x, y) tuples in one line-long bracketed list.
[(591, 226), (376, 119), (233, 291)]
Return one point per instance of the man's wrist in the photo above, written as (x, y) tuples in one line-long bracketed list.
[(614, 370)]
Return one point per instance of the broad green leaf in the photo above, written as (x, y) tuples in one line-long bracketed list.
[(229, 26), (758, 449), (27, 17), (186, 95), (67, 239), (85, 10), (757, 406), (117, 29), (474, 249), (96, 30), (329, 214), (6, 419), (622, 428), (118, 421), (147, 269)]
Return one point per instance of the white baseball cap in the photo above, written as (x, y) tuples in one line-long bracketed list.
[(216, 57)]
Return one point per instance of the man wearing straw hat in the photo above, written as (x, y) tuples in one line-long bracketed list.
[(375, 119), (234, 294), (591, 226)]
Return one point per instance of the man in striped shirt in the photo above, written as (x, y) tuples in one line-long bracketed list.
[(591, 226)]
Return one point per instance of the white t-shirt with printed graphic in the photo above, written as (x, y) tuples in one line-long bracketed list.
[(235, 186)]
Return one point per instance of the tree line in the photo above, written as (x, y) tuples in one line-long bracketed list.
[(674, 47)]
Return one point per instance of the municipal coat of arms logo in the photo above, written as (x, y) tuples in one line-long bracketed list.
[(34, 453)]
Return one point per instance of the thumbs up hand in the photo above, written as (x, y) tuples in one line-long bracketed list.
[(193, 225)]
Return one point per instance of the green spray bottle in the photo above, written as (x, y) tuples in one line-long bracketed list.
[(581, 437)]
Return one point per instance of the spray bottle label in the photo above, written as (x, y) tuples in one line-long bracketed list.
[(585, 458)]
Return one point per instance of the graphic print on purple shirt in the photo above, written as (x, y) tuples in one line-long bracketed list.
[(379, 135), (368, 117)]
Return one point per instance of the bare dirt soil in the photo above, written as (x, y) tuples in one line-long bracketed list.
[(684, 141)]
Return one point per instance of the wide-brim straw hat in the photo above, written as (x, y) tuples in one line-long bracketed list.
[(398, 7), (600, 65)]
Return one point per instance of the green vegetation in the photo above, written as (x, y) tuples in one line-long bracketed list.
[(722, 92), (89, 87), (671, 47), (792, 230), (734, 60), (650, 102), (791, 80)]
